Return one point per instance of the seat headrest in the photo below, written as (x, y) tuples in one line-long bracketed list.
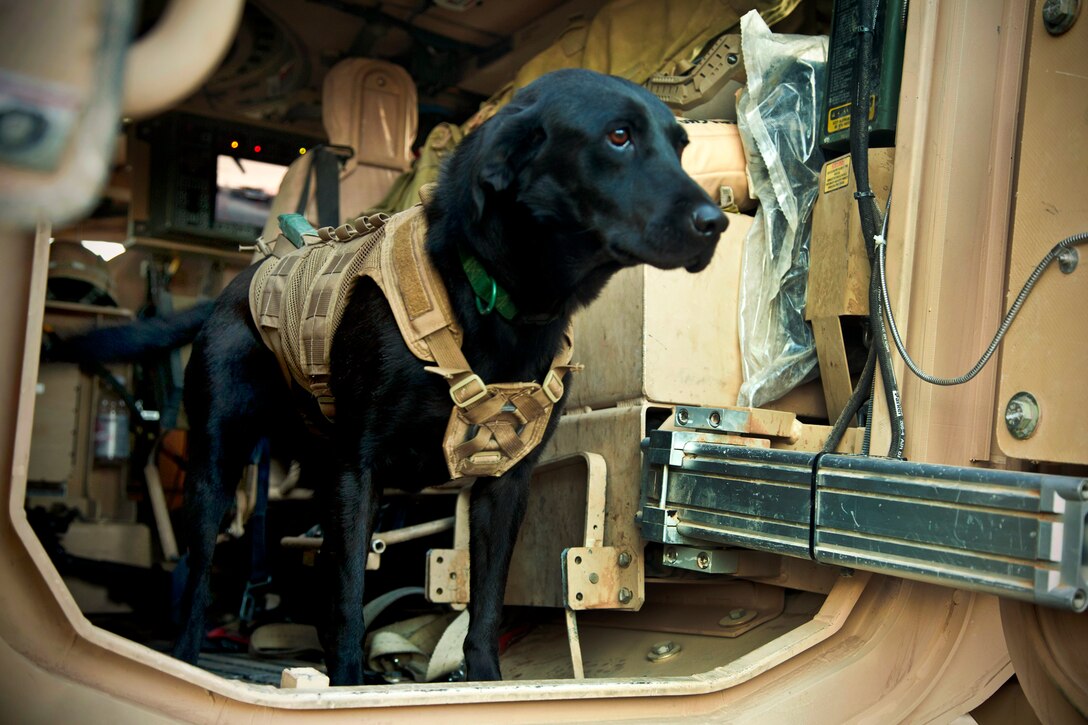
[(371, 106)]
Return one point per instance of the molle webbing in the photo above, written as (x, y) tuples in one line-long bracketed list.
[(298, 297)]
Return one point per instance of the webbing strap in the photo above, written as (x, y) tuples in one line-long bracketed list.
[(324, 172), (509, 418)]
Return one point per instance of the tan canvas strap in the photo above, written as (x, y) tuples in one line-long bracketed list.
[(509, 418), (412, 285)]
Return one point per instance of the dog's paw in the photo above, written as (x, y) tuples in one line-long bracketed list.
[(482, 670)]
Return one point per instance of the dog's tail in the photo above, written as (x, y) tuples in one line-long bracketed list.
[(134, 341)]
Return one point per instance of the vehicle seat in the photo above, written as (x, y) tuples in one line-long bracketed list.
[(370, 106)]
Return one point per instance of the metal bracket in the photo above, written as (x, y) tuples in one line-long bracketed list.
[(447, 572), (750, 421), (594, 578), (447, 576), (710, 560)]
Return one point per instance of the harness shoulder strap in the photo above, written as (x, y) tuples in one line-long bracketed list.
[(411, 284)]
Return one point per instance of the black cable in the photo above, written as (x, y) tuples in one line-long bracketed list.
[(867, 439), (853, 404), (868, 213)]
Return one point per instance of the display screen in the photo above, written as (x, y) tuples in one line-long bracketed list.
[(245, 189)]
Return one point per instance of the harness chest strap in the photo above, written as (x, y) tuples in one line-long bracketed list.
[(298, 300)]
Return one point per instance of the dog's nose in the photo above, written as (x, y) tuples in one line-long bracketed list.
[(708, 221)]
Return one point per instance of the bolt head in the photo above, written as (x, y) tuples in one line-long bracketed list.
[(1059, 15), (1068, 259), (663, 651), (670, 555), (625, 595), (1014, 413), (737, 613), (682, 416), (1022, 415), (624, 560), (702, 560)]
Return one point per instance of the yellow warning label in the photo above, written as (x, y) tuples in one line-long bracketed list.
[(838, 118), (837, 174)]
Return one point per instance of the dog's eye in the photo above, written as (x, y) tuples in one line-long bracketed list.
[(619, 136)]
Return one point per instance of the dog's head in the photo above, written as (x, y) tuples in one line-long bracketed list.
[(595, 160)]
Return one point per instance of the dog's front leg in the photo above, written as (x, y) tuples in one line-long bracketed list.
[(498, 506), (349, 519)]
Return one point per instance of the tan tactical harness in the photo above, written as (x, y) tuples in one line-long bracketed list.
[(298, 297)]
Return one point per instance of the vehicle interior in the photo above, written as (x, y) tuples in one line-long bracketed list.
[(701, 542)]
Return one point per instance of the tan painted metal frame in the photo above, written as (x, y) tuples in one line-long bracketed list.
[(947, 237), (881, 649)]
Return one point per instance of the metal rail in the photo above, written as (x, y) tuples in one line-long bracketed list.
[(1016, 534)]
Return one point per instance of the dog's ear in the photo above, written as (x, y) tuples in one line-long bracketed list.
[(510, 143)]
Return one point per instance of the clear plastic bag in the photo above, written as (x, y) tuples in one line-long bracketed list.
[(779, 119)]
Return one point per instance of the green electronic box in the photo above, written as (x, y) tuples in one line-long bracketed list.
[(888, 35)]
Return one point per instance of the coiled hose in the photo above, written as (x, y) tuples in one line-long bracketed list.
[(1046, 261)]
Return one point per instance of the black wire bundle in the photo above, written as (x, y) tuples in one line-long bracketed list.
[(880, 349)]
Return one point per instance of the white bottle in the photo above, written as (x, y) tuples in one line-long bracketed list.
[(111, 443)]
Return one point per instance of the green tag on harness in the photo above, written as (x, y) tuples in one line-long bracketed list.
[(295, 227)]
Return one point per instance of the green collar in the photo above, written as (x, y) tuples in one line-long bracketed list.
[(489, 295)]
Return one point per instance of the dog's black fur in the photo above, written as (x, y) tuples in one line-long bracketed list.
[(576, 178)]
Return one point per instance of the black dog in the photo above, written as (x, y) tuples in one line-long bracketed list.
[(578, 177)]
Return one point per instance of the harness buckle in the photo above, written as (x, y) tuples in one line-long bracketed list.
[(475, 397), (552, 379)]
